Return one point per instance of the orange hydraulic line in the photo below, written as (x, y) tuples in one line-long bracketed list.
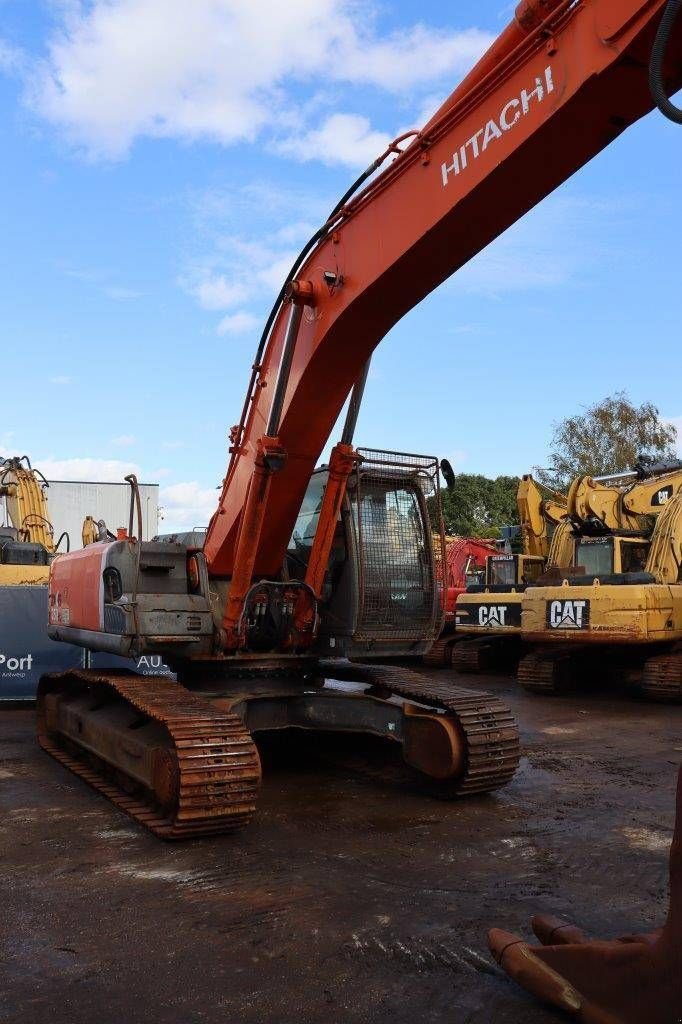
[(249, 535), (341, 464)]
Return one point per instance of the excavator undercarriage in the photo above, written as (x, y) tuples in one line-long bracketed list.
[(183, 762)]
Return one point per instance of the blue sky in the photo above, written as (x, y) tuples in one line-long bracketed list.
[(163, 161)]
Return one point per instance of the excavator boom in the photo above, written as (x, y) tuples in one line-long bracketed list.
[(561, 83)]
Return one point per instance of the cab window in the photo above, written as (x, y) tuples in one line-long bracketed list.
[(502, 572), (633, 557), (596, 559), (303, 535), (531, 571)]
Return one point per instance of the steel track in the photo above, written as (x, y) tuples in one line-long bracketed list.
[(213, 779), (485, 722)]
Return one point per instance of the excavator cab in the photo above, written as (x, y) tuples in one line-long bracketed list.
[(607, 556), (381, 596), (511, 571)]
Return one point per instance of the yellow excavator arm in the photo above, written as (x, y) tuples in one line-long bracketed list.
[(621, 500), (665, 554), (540, 510), (24, 490)]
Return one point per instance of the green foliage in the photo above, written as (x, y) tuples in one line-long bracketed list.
[(609, 437), (477, 506)]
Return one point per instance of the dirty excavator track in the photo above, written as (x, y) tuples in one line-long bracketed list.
[(206, 779), (543, 672), (486, 724), (440, 653), (201, 773), (472, 656), (662, 678)]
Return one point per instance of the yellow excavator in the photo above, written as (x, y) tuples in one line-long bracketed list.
[(27, 545), (488, 616), (614, 613)]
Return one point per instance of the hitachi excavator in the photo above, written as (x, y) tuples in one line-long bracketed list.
[(28, 544), (180, 757), (487, 631), (615, 611), (563, 80)]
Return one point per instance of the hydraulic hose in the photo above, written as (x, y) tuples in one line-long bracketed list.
[(656, 83)]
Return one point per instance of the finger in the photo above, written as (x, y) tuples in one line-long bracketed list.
[(553, 931), (520, 963)]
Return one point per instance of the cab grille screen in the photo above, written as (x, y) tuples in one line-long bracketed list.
[(395, 503)]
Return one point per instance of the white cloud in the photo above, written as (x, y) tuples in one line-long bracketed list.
[(173, 445), (186, 505), (224, 70), (238, 323), (105, 470), (216, 292), (123, 441), (60, 379), (233, 268), (342, 139)]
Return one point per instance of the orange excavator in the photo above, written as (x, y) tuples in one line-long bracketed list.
[(563, 80)]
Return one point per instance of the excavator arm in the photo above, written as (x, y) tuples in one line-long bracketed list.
[(538, 512), (560, 84), (24, 490), (619, 501)]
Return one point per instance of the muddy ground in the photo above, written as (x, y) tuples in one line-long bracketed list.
[(353, 898)]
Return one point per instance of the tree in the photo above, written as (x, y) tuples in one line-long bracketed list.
[(476, 506), (609, 437)]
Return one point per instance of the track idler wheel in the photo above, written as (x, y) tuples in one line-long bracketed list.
[(632, 980), (433, 744)]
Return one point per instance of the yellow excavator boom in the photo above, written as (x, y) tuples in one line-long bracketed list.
[(24, 490), (540, 510)]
